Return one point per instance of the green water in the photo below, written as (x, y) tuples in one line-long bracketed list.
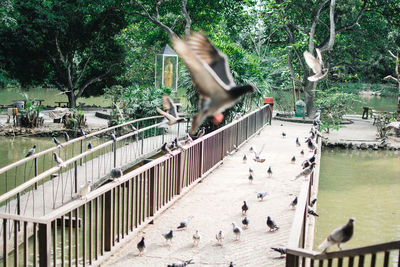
[(364, 185), (49, 95)]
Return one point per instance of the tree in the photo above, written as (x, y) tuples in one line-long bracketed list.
[(70, 44), (397, 79)]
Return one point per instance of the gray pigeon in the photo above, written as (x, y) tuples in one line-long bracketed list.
[(170, 114), (245, 208), (66, 137), (257, 154), (180, 264), (302, 152), (306, 172), (116, 173), (313, 202), (196, 238), (280, 250), (59, 161), (31, 151), (245, 223), (185, 223), (297, 142), (166, 149), (339, 235), (283, 135), (113, 137), (251, 178), (312, 212), (141, 246), (269, 171), (293, 203), (237, 231), (293, 160), (261, 195), (90, 146), (211, 76), (168, 236), (317, 65), (271, 224), (220, 237), (58, 144), (244, 159)]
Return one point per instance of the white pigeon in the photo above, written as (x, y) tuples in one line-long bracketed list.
[(317, 65), (85, 189), (196, 238)]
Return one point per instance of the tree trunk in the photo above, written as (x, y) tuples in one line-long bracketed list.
[(309, 95), (398, 105), (71, 100)]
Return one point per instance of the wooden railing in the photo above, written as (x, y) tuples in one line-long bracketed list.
[(299, 256), (81, 231)]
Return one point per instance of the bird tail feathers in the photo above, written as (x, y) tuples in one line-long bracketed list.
[(325, 245)]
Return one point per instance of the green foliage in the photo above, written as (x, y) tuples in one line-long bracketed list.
[(30, 113), (75, 120), (136, 101), (334, 105)]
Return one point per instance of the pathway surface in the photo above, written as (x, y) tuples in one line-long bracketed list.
[(216, 203)]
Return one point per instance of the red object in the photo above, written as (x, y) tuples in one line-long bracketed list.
[(218, 118), (270, 101)]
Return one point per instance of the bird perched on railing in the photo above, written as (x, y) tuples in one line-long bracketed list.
[(339, 235), (196, 238), (183, 224), (59, 161), (166, 149), (220, 237), (200, 133), (293, 203), (58, 144), (261, 195), (237, 231), (271, 224), (312, 212), (311, 144), (316, 64), (211, 75), (31, 151), (168, 236), (66, 137), (141, 246), (113, 137), (85, 189), (170, 112), (313, 202), (180, 264), (282, 251), (116, 173), (89, 146), (306, 172)]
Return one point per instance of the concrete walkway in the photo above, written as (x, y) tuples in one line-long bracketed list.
[(216, 203)]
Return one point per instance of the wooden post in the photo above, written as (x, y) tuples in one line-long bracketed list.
[(36, 170), (115, 153), (108, 206), (291, 261), (44, 244), (152, 193), (76, 176)]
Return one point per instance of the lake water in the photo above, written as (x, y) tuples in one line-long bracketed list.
[(364, 185)]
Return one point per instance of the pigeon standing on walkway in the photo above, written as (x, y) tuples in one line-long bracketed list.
[(261, 195), (237, 231), (183, 225), (58, 144), (316, 64), (283, 135), (244, 159), (269, 172), (297, 142), (271, 224), (196, 238), (180, 264), (245, 223), (293, 160), (293, 203), (245, 208), (168, 236), (220, 237), (211, 76), (257, 157), (302, 152), (31, 151), (282, 251), (141, 246), (251, 178), (338, 236)]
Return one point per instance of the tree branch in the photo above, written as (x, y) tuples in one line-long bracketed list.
[(390, 77), (66, 65), (314, 26), (332, 33), (292, 73), (187, 18)]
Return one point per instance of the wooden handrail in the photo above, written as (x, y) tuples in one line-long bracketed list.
[(344, 253)]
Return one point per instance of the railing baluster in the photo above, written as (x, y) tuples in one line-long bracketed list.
[(44, 241), (373, 260), (320, 263), (90, 233), (386, 259), (361, 261), (340, 262), (351, 261), (329, 262), (16, 226), (84, 235), (35, 257), (76, 238), (26, 247)]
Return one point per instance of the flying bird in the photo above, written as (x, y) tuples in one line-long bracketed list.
[(220, 237), (261, 195), (168, 236), (59, 161), (339, 235), (271, 224), (211, 76), (245, 223), (180, 264), (282, 251), (269, 171), (245, 208), (66, 137), (31, 151), (58, 144), (183, 224), (237, 231), (317, 65), (196, 238), (293, 203), (257, 154), (85, 189), (170, 114), (141, 246)]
